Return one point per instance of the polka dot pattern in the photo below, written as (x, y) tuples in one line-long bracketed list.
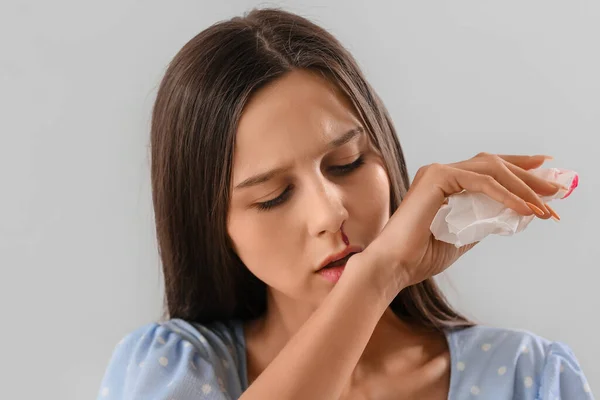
[(206, 388), (485, 363)]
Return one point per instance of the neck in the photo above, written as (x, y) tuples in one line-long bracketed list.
[(391, 337)]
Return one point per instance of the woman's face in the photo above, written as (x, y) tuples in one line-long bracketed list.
[(283, 226)]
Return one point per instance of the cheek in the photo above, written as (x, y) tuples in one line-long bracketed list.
[(267, 244), (259, 244), (247, 237), (371, 203)]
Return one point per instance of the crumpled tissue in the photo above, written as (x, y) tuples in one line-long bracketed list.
[(469, 217)]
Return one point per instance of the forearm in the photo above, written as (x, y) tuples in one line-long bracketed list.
[(319, 359)]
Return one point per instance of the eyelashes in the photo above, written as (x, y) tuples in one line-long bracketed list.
[(339, 170), (267, 205)]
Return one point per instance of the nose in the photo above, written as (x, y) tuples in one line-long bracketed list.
[(326, 210)]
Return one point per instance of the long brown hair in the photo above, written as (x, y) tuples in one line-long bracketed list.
[(194, 121)]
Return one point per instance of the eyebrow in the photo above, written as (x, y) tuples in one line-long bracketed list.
[(266, 176)]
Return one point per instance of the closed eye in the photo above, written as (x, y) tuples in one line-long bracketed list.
[(347, 168), (336, 169)]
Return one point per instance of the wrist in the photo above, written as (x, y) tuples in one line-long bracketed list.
[(380, 276)]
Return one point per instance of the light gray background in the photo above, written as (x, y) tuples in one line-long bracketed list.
[(77, 81)]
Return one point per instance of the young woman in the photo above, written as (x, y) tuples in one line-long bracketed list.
[(297, 258)]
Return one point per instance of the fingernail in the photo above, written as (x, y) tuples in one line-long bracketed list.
[(554, 214), (535, 209), (548, 158)]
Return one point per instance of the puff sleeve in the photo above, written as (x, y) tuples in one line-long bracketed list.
[(562, 377), (172, 361)]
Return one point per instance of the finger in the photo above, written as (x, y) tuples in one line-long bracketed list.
[(526, 162), (482, 183), (502, 173), (450, 180), (539, 185), (437, 182)]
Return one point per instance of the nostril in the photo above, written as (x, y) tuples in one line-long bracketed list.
[(344, 237)]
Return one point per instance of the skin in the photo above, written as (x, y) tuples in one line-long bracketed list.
[(289, 124)]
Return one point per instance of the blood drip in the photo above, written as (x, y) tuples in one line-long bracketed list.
[(344, 237)]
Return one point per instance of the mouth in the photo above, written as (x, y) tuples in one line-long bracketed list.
[(340, 262), (333, 270), (339, 259)]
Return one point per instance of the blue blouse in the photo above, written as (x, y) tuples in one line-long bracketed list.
[(178, 360)]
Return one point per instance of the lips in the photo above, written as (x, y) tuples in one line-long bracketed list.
[(339, 262), (339, 258)]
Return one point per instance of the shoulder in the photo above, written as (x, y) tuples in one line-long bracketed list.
[(520, 362), (480, 339), (177, 359)]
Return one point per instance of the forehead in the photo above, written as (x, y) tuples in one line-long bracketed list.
[(292, 117)]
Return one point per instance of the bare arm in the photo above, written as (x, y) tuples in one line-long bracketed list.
[(319, 359), (325, 350)]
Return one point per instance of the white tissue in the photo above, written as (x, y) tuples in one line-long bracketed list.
[(470, 217)]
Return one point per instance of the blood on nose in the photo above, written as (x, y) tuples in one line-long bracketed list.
[(344, 237)]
